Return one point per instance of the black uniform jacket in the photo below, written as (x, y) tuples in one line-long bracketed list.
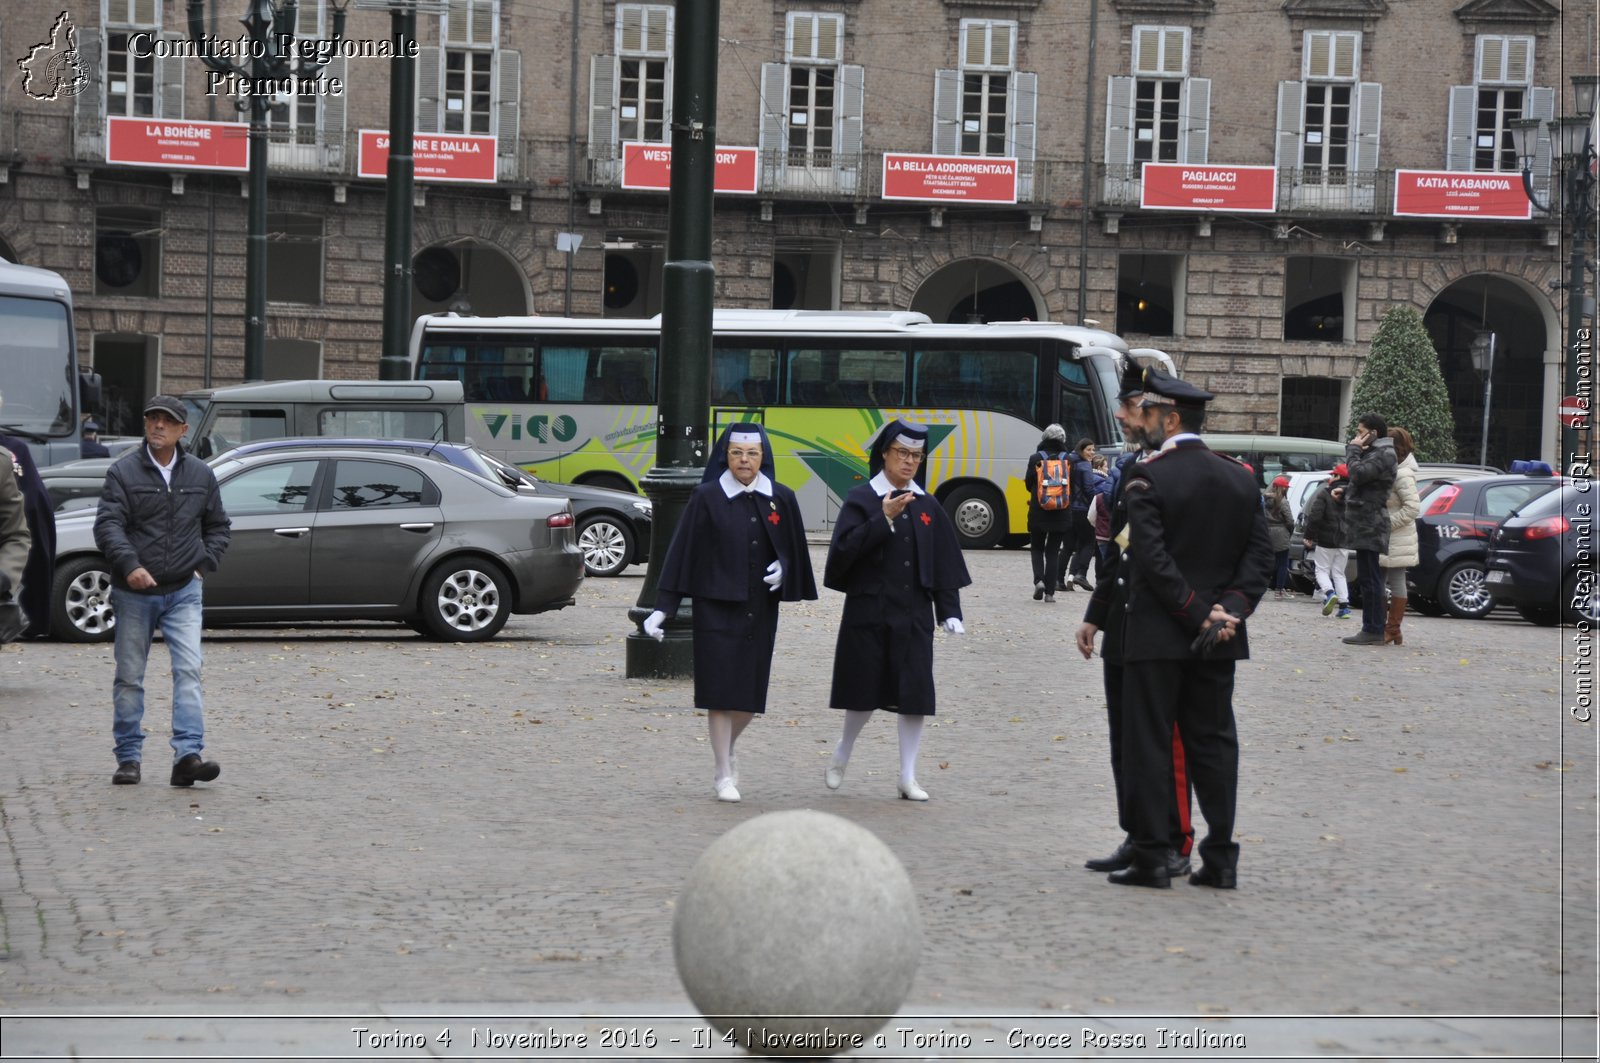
[(710, 553), (1198, 537), (855, 557)]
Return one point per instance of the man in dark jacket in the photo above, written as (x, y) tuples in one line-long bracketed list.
[(1200, 558), (161, 526), (1371, 462)]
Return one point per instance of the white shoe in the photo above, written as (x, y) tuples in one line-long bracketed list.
[(911, 791), (833, 778), (726, 791)]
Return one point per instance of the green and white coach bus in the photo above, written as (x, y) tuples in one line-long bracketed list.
[(573, 400)]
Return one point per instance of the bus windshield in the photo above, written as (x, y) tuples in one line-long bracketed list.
[(36, 370)]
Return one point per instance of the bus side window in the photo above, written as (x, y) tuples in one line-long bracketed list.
[(565, 374)]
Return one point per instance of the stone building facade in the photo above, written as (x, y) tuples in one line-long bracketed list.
[(1272, 309)]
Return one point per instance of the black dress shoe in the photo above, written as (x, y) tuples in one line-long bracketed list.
[(1155, 877), (1177, 864), (1115, 862), (127, 773), (192, 769), (1218, 878)]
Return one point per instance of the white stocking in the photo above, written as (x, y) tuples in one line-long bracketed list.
[(910, 742), (854, 721)]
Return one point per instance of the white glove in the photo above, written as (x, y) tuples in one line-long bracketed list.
[(774, 576), (652, 625), (952, 624)]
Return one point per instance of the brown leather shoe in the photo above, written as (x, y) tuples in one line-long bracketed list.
[(1391, 627)]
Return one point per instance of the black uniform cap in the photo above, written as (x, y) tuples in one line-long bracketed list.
[(1132, 382), (1161, 389)]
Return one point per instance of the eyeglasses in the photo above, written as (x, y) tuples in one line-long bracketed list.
[(734, 452), (902, 454)]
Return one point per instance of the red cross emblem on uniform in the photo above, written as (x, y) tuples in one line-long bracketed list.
[(926, 519), (772, 518)]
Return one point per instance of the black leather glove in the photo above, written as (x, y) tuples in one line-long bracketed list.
[(1205, 643)]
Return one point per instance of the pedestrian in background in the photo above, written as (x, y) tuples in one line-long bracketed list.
[(1200, 562), (38, 576), (1324, 539), (739, 550), (1370, 459), (1049, 509), (1100, 511), (161, 527), (14, 543), (1280, 530), (1106, 610), (1081, 540), (1404, 505), (896, 558), (90, 446)]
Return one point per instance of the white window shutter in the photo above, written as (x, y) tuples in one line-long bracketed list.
[(603, 107), (145, 13), (428, 89), (90, 105), (1369, 124), (1023, 105), (1194, 145), (334, 112), (773, 134), (1146, 49), (658, 31), (1542, 105), (946, 112), (1462, 130), (630, 29), (483, 22), (1175, 51), (1491, 59), (1346, 56), (1319, 54), (1291, 121), (1119, 121), (1519, 60), (169, 92), (852, 108), (507, 107)]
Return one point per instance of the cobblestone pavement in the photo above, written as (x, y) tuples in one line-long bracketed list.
[(503, 828)]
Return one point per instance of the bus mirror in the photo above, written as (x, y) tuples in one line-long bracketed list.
[(88, 391)]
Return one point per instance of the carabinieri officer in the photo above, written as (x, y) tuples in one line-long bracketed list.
[(739, 550), (896, 557), (1199, 564)]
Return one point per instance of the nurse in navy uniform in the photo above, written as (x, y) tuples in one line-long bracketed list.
[(739, 550), (896, 557)]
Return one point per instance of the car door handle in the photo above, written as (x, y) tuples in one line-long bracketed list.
[(290, 533), (417, 527)]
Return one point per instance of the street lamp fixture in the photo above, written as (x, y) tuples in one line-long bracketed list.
[(1572, 142), (1483, 361), (271, 29)]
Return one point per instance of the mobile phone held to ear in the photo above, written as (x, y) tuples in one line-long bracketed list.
[(897, 492)]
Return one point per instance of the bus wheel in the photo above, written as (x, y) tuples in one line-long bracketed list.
[(979, 516)]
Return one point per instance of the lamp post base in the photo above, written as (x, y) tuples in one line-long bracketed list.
[(671, 658)]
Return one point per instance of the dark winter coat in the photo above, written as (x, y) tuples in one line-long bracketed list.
[(171, 532), (1045, 519), (1324, 517), (39, 576), (1280, 522), (1366, 500)]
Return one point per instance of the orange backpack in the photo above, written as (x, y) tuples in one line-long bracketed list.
[(1053, 489)]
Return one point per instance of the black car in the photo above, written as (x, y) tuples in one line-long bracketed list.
[(1542, 560), (1453, 540)]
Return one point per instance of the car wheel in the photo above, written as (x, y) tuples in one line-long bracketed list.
[(466, 600), (1426, 606), (607, 545), (1544, 616), (80, 601), (978, 514), (1581, 604), (1462, 591)]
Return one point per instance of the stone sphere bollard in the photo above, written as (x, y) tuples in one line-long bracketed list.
[(798, 914)]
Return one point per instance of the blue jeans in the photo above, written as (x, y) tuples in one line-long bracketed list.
[(1369, 576), (178, 616)]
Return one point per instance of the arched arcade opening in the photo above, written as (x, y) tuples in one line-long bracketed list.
[(977, 290)]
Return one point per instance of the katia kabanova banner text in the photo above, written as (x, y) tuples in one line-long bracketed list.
[(1460, 194)]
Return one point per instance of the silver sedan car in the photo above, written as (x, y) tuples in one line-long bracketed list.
[(349, 534)]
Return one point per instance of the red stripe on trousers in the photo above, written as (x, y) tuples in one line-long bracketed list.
[(1180, 790)]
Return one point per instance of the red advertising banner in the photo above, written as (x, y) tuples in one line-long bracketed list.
[(949, 178), (1213, 189), (169, 144), (461, 157), (649, 167), (1460, 194)]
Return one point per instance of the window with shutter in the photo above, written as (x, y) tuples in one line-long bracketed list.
[(1161, 51), (988, 51), (815, 38), (811, 115), (1505, 60), (1504, 68), (144, 13), (130, 79), (1332, 55), (644, 44), (603, 116), (466, 90)]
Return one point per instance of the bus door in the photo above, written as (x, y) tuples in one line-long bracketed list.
[(1074, 405)]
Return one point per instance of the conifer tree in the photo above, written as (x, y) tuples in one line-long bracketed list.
[(1402, 382)]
